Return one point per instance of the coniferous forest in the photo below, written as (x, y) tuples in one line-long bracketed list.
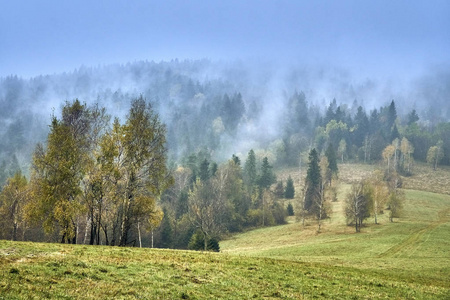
[(178, 154)]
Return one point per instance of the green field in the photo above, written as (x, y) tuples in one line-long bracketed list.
[(407, 259), (414, 249)]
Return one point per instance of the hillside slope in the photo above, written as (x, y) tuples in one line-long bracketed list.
[(54, 271), (415, 248), (408, 259)]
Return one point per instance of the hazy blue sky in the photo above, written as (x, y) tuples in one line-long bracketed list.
[(45, 37)]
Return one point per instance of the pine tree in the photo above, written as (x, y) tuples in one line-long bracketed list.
[(250, 171), (290, 209), (267, 177), (313, 181), (204, 170), (289, 190), (412, 117), (392, 115), (166, 230), (332, 160), (362, 127)]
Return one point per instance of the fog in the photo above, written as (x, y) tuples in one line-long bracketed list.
[(189, 97), (192, 59)]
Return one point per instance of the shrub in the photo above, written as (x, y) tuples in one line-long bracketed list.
[(197, 242)]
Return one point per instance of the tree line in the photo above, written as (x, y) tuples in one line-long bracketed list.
[(100, 182), (212, 106), (357, 135)]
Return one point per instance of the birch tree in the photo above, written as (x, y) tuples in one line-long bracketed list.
[(14, 198), (407, 150), (380, 194), (357, 206), (435, 154)]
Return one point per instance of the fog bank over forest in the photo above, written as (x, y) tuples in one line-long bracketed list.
[(225, 106)]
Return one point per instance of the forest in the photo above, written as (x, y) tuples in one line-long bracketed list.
[(178, 154)]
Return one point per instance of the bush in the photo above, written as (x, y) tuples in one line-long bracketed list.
[(197, 242), (254, 217), (277, 215)]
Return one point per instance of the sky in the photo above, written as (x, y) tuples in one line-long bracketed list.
[(382, 37)]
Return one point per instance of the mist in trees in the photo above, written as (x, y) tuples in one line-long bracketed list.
[(179, 153), (226, 109)]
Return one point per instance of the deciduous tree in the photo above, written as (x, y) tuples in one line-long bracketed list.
[(435, 154), (395, 204), (357, 206), (57, 173), (14, 198)]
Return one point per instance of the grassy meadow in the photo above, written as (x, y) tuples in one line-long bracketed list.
[(407, 259)]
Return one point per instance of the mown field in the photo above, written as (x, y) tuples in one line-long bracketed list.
[(407, 259), (413, 249)]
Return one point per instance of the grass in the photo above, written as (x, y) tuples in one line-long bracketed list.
[(38, 271), (407, 259), (415, 249), (424, 178)]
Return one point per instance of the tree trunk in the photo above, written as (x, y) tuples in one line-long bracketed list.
[(14, 234), (152, 237), (375, 204), (205, 240), (86, 230), (99, 219), (63, 239), (264, 210), (93, 230), (74, 238), (139, 235), (124, 233), (105, 231)]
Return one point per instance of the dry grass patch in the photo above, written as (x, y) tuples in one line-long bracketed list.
[(424, 178)]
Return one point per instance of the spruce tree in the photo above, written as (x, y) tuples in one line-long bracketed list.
[(332, 160), (392, 115), (166, 230), (267, 177), (313, 181), (289, 191), (204, 170), (250, 171), (290, 209)]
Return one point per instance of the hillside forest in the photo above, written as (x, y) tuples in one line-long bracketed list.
[(179, 154)]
